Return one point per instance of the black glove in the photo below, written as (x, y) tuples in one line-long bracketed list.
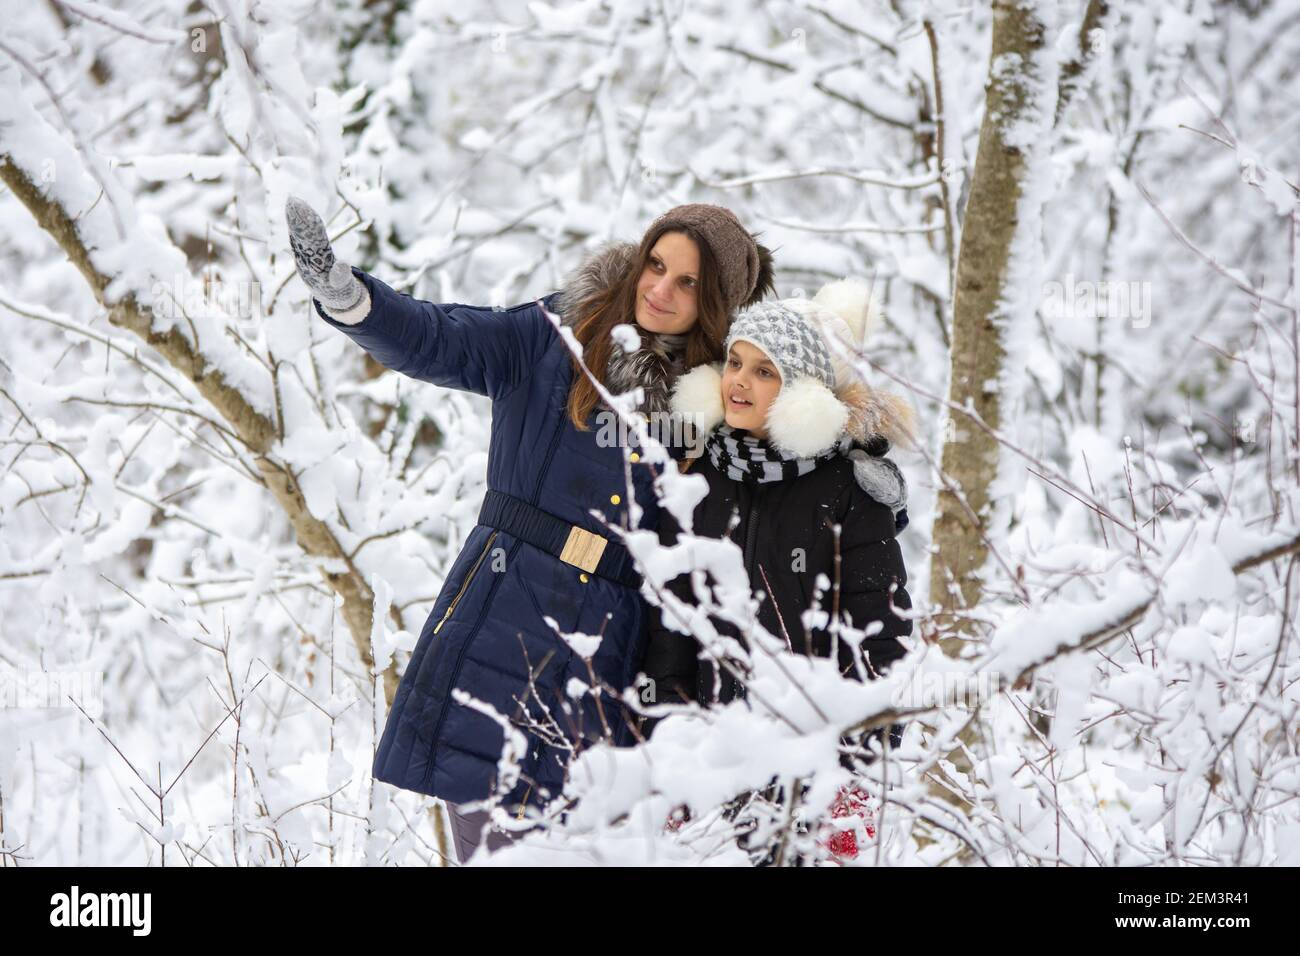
[(879, 477)]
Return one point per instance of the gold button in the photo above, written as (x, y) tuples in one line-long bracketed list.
[(582, 578), (635, 457), (614, 499)]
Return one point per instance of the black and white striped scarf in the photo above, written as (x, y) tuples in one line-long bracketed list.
[(742, 457)]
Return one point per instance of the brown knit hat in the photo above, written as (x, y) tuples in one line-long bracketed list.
[(745, 265)]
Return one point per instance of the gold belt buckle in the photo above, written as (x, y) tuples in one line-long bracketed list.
[(583, 549)]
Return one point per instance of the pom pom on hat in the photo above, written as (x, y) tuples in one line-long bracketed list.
[(845, 311), (851, 300)]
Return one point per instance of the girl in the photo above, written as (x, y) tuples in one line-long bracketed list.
[(781, 417), (536, 552)]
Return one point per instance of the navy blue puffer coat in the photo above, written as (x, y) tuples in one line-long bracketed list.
[(487, 629)]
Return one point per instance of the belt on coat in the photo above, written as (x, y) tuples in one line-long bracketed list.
[(573, 545)]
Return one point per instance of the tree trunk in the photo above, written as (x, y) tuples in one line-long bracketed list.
[(1016, 99), (1018, 110)]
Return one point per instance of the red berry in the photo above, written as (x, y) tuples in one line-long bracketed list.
[(844, 843)]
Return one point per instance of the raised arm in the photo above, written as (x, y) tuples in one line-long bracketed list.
[(488, 351)]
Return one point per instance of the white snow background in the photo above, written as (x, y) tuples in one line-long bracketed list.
[(1149, 464)]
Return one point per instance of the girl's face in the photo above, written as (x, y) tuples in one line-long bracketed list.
[(667, 295), (750, 383)]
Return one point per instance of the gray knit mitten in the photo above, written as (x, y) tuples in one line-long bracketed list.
[(330, 280)]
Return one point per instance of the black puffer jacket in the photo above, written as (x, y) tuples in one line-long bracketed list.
[(787, 532)]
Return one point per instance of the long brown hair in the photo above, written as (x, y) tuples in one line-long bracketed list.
[(617, 304)]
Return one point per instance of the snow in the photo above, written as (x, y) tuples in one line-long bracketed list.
[(140, 542), (627, 337), (177, 166)]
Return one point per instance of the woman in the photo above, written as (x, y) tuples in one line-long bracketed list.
[(785, 483), (536, 552)]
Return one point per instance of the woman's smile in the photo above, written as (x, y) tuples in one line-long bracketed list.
[(654, 309)]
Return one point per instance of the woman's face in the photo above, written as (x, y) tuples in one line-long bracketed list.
[(667, 295), (750, 383)]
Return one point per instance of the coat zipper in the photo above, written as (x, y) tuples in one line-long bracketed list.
[(751, 534), (465, 584), (460, 657), (751, 540)]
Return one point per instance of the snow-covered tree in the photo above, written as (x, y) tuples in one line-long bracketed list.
[(223, 526)]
